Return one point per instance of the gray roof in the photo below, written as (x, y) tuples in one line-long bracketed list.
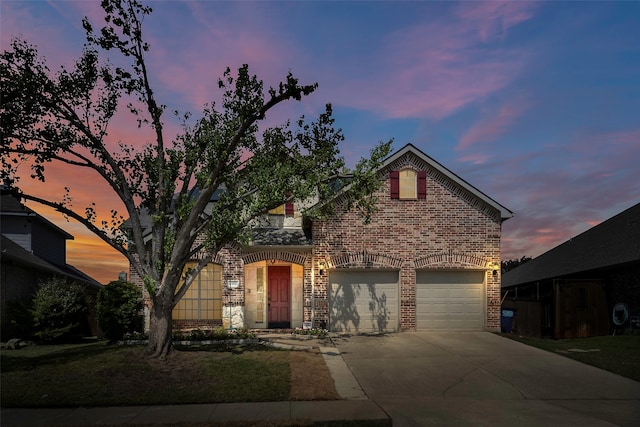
[(12, 251), (11, 205), (279, 237), (611, 243)]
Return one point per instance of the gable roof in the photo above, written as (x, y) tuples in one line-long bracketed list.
[(613, 242), (11, 251), (441, 174), (10, 205)]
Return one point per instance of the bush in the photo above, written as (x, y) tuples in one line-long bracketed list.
[(20, 320), (218, 334), (119, 307), (320, 333), (59, 307)]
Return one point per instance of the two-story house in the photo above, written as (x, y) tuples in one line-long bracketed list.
[(32, 250), (428, 260)]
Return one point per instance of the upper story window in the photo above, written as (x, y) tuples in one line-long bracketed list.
[(285, 209), (408, 184)]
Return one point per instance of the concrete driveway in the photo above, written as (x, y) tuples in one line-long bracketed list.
[(479, 378)]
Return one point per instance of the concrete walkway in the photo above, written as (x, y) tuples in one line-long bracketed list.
[(482, 379), (354, 406)]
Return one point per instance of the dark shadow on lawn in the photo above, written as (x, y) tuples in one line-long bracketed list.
[(21, 360)]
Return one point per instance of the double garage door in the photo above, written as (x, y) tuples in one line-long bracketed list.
[(369, 301)]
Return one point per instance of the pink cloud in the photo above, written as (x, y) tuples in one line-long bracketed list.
[(494, 18), (193, 69), (439, 67), (561, 191), (475, 158), (487, 129)]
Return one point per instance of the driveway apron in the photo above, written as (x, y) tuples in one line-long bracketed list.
[(480, 378)]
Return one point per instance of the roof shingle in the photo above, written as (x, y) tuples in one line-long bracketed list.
[(613, 242)]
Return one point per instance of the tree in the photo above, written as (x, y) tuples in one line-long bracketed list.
[(510, 264), (65, 118)]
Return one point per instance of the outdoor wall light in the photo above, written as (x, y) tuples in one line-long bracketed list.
[(495, 266), (321, 266)]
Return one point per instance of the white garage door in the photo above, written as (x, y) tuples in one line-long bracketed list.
[(363, 301), (450, 300)]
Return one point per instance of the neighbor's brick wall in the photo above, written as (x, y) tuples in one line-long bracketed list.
[(443, 231)]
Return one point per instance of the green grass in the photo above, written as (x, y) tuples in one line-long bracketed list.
[(101, 375), (617, 354)]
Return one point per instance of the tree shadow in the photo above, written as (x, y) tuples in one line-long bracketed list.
[(343, 310), (27, 359), (345, 317), (380, 314)]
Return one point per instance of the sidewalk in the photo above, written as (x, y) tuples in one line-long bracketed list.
[(335, 410), (354, 406)]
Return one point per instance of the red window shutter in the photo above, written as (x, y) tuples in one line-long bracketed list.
[(422, 184), (288, 208), (394, 176)]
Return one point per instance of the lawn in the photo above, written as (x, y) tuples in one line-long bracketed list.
[(98, 374), (618, 354)]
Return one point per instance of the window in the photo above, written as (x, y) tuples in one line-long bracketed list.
[(260, 295), (277, 211), (285, 209), (408, 184), (408, 188), (203, 300)]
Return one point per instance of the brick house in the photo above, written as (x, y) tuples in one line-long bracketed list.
[(428, 260)]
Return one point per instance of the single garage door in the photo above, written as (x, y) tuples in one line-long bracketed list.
[(450, 300), (363, 301)]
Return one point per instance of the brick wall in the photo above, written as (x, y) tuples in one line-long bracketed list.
[(450, 229), (232, 269)]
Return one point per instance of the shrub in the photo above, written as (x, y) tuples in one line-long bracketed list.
[(20, 320), (217, 334), (59, 307), (119, 307), (320, 333)]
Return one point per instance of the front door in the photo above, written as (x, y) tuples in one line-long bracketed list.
[(279, 297)]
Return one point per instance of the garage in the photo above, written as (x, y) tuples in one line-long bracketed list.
[(450, 300), (363, 301)]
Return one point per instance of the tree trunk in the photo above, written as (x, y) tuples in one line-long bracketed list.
[(160, 327)]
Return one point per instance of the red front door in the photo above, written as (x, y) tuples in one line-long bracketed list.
[(279, 297)]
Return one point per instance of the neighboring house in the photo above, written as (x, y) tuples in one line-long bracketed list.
[(571, 290), (32, 250), (428, 260)]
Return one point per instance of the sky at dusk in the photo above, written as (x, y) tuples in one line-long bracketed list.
[(537, 104)]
